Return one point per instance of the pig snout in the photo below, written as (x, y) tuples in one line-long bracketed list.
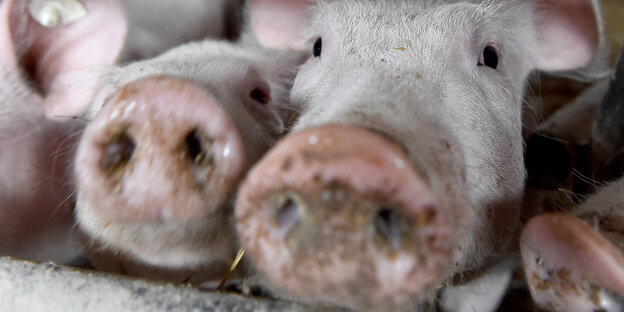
[(572, 266), (160, 149), (338, 213)]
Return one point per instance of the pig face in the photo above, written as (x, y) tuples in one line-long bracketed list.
[(446, 84), (443, 82), (179, 131)]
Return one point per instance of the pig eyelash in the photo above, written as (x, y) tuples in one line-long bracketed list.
[(318, 47), (489, 57)]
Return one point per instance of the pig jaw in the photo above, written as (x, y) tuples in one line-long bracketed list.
[(310, 216)]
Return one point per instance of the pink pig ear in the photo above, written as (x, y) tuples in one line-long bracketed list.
[(280, 24), (63, 59), (568, 34)]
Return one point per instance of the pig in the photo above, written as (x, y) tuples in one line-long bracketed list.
[(575, 262), (168, 141), (39, 65), (155, 26), (405, 167)]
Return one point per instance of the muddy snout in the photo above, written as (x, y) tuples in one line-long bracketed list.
[(160, 149), (339, 214)]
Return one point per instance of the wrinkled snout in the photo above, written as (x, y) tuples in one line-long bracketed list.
[(160, 149), (340, 214)]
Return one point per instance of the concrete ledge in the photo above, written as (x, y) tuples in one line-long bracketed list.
[(26, 286)]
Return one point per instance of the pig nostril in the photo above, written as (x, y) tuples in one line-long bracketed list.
[(195, 149), (117, 152), (289, 214), (388, 228)]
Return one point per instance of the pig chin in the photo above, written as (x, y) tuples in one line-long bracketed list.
[(183, 244)]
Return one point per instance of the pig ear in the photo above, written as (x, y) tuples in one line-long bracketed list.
[(280, 24), (568, 34), (61, 59)]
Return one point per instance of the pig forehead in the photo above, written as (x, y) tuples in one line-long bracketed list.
[(379, 23), (212, 68)]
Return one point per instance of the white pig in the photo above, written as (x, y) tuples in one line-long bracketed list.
[(406, 165)]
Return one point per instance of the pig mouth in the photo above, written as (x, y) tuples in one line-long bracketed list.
[(171, 244)]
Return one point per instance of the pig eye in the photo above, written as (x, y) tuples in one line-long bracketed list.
[(318, 47), (259, 96), (489, 57)]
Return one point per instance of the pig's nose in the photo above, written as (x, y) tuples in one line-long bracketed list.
[(573, 265), (160, 149), (339, 214)]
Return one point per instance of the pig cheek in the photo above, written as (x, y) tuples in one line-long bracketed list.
[(485, 127), (308, 84)]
